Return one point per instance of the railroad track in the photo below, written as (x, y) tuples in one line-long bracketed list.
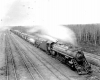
[(53, 69), (2, 56), (1, 41), (28, 64), (10, 62), (22, 61), (26, 56)]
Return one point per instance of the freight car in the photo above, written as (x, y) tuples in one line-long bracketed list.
[(20, 34), (71, 57), (16, 32)]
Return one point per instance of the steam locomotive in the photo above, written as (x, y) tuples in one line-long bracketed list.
[(69, 55)]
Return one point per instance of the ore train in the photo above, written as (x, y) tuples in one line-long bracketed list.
[(69, 55)]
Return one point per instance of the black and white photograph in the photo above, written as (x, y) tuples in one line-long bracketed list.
[(49, 39)]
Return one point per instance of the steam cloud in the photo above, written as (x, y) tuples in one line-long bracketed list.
[(56, 32)]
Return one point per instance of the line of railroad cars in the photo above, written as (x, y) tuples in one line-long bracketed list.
[(69, 55)]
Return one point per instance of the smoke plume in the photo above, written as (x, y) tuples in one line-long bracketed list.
[(56, 32)]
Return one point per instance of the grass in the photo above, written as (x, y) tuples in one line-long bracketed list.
[(90, 48)]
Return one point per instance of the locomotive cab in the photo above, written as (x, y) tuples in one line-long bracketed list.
[(49, 46)]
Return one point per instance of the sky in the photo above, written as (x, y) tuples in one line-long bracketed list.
[(48, 12)]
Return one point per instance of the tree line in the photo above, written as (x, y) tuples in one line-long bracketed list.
[(89, 38)]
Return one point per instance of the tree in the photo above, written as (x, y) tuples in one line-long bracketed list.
[(83, 36), (97, 37)]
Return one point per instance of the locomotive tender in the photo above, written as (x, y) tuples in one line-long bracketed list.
[(71, 56)]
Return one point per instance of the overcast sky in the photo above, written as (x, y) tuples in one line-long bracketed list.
[(40, 12)]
